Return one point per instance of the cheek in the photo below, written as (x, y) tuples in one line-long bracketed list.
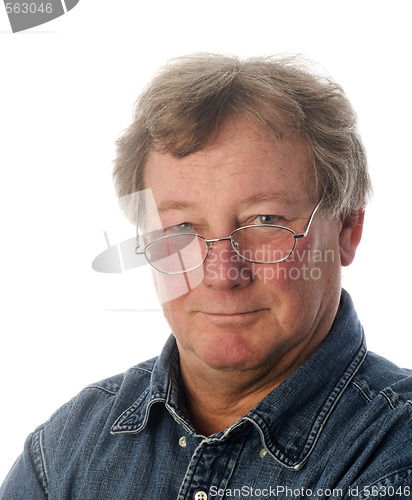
[(172, 286), (288, 274), (312, 263)]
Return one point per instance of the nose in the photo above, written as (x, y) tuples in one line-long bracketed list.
[(223, 268)]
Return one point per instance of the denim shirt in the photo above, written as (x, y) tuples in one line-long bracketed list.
[(339, 427)]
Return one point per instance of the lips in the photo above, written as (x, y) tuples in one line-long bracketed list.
[(235, 313), (233, 320)]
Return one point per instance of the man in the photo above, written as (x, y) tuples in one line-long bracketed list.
[(265, 388)]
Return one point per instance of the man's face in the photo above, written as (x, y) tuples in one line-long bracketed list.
[(244, 316)]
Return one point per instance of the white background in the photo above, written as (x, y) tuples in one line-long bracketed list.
[(66, 92)]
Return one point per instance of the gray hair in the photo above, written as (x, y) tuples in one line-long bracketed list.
[(185, 106)]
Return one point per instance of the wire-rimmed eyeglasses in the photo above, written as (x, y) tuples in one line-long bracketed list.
[(179, 253)]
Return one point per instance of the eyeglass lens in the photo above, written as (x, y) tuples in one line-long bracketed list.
[(184, 252), (177, 253), (263, 244)]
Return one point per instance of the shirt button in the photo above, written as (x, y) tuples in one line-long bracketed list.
[(263, 453), (182, 442), (200, 495)]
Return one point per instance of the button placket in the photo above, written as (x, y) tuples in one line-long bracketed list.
[(211, 465)]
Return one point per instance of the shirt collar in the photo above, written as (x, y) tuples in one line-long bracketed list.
[(290, 418), (164, 387)]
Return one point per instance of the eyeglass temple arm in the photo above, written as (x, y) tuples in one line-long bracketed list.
[(307, 226), (149, 236), (152, 235)]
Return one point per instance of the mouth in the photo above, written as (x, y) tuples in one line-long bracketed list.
[(237, 313), (236, 318)]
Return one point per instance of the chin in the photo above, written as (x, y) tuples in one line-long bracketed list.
[(231, 352)]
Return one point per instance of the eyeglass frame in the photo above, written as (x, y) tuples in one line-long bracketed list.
[(209, 243)]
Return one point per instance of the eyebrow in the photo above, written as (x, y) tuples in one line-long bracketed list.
[(173, 205), (265, 197), (168, 205)]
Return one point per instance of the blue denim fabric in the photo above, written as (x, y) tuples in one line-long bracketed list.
[(338, 427)]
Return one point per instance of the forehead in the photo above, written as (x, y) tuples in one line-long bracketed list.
[(244, 162)]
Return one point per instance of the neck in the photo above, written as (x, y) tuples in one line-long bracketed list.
[(217, 401)]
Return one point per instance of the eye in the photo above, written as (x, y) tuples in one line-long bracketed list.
[(184, 227), (267, 219)]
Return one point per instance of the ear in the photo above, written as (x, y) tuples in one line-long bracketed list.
[(350, 236)]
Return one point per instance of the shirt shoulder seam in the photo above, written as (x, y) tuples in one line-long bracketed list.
[(360, 389), (371, 397), (97, 386), (39, 459), (114, 390)]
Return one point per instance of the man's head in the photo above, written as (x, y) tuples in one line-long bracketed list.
[(225, 144), (187, 104)]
